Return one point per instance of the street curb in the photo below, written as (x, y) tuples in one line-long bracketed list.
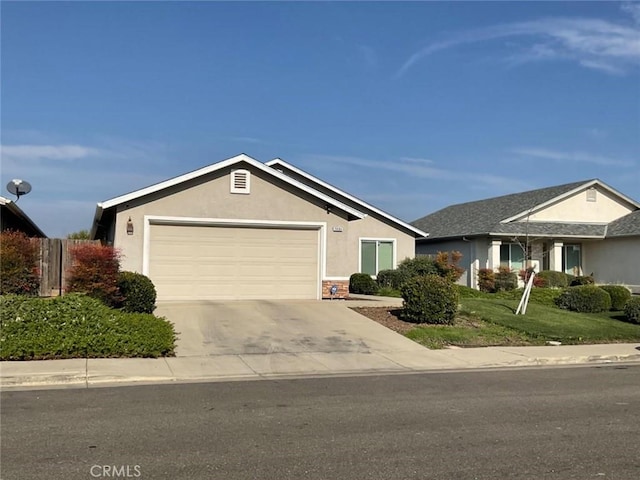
[(97, 380)]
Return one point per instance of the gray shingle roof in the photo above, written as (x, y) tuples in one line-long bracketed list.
[(625, 226), (484, 216)]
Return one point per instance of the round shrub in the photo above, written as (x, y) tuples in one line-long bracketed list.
[(553, 279), (505, 280), (138, 292), (632, 310), (419, 266), (584, 298), (619, 294), (429, 299), (363, 284), (392, 278)]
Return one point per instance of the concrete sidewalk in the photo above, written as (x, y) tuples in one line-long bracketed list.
[(101, 372)]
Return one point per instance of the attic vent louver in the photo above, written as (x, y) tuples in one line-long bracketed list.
[(240, 181), (592, 194)]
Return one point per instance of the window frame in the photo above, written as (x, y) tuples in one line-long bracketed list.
[(378, 240), (521, 250)]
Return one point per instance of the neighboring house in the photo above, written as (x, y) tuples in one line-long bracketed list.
[(578, 228), (241, 229), (13, 218)]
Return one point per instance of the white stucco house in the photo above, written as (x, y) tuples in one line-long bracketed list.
[(242, 229), (579, 228)]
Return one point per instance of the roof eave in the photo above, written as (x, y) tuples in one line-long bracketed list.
[(18, 212), (416, 231)]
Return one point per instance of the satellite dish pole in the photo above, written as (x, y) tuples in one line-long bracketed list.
[(18, 187)]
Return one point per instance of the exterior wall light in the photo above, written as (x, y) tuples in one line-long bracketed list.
[(129, 227)]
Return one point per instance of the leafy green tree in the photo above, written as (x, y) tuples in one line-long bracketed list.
[(80, 235)]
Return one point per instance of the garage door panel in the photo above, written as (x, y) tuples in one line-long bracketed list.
[(228, 262)]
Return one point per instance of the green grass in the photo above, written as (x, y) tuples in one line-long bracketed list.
[(469, 331), (389, 292), (552, 323)]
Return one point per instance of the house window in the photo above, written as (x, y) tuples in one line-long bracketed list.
[(512, 256), (240, 181), (572, 259), (376, 255)]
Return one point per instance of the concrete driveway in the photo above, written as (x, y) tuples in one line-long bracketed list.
[(278, 327)]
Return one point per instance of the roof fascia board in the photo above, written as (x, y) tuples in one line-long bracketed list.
[(537, 235), (215, 167), (279, 161), (562, 196)]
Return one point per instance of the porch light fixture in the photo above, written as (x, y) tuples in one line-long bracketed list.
[(129, 227), (328, 208)]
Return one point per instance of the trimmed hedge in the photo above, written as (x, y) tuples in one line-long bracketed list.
[(138, 292), (584, 298), (553, 279), (429, 299), (632, 310), (362, 283), (78, 326), (619, 294)]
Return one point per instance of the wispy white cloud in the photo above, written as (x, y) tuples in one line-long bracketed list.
[(578, 157), (593, 43), (25, 153), (416, 167), (633, 9)]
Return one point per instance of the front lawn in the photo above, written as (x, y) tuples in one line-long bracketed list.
[(489, 320), (76, 326), (552, 323)]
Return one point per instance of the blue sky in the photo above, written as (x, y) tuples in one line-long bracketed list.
[(409, 106)]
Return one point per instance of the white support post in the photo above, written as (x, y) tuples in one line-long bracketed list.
[(522, 307)]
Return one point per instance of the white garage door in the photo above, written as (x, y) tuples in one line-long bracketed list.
[(231, 262)]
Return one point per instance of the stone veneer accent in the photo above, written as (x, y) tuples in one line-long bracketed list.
[(343, 288)]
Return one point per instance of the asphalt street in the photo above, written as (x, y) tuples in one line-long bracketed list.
[(543, 423)]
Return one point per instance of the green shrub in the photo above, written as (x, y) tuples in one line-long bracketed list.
[(584, 298), (619, 294), (138, 292), (553, 279), (419, 266), (363, 284), (505, 280), (77, 326), (582, 280), (392, 278), (19, 259), (632, 310), (95, 272), (429, 299), (486, 280)]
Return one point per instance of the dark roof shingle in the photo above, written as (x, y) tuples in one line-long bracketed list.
[(625, 226), (484, 216)]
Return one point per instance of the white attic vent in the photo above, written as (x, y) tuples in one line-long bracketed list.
[(592, 194), (240, 181)]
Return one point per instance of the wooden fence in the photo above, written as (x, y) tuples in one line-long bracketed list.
[(55, 261)]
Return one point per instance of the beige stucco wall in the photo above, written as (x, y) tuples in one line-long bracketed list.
[(209, 197), (576, 208), (613, 260)]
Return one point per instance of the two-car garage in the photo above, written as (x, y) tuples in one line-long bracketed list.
[(207, 261)]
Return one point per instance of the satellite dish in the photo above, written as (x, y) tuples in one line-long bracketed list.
[(18, 187)]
